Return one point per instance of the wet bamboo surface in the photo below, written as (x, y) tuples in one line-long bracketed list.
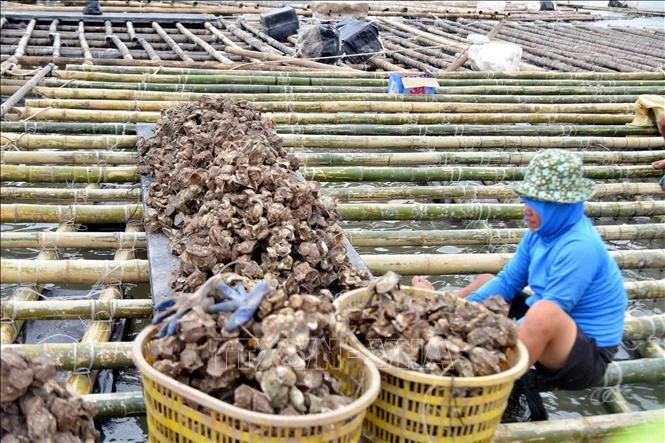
[(441, 164)]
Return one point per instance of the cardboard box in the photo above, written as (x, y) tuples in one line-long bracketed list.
[(412, 84)]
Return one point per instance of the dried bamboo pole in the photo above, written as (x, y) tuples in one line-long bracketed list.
[(56, 45), (228, 43), (454, 173), (74, 174), (466, 142), (77, 309), (374, 130), (449, 44), (80, 214), (147, 47), (646, 290), (595, 427), (480, 211), (29, 292), (87, 55), (70, 195), (69, 157), (653, 350), (293, 118), (112, 38), (132, 92), (203, 44), (128, 103), (644, 328), (77, 356), (614, 401), (20, 48), (459, 158), (30, 141), (172, 44), (363, 237), (74, 271), (2, 22), (87, 240), (249, 39), (23, 90), (244, 24), (450, 264), (100, 331)]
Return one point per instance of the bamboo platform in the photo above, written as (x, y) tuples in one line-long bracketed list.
[(423, 181)]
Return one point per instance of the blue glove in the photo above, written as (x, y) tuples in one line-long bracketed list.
[(242, 304)]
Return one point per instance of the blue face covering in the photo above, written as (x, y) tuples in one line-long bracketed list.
[(555, 218)]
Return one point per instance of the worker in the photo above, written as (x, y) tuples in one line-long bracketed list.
[(92, 7), (572, 325)]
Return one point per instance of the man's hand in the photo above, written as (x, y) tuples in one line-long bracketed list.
[(658, 164), (422, 283)]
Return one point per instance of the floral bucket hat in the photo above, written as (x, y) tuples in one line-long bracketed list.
[(555, 176)]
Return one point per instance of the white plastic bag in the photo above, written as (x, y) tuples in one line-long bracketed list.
[(477, 39), (491, 6), (495, 56)]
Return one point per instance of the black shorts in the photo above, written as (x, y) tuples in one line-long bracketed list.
[(585, 366)]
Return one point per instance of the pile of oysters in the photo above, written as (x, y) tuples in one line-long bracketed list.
[(37, 406), (436, 333), (228, 195), (231, 201)]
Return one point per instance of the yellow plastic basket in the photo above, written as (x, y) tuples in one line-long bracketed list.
[(416, 407), (179, 413)]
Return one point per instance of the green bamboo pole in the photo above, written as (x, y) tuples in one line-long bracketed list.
[(128, 104), (360, 129), (330, 174), (120, 92), (450, 264), (592, 428), (440, 119), (77, 356), (643, 370), (74, 271), (457, 173), (10, 330), (74, 174), (70, 157), (471, 192), (68, 127), (465, 237), (644, 328), (71, 195), (80, 214), (99, 331), (84, 240), (614, 401), (271, 78), (84, 115), (458, 142), (547, 75), (461, 158), (27, 141), (295, 89), (117, 404), (76, 309), (484, 211)]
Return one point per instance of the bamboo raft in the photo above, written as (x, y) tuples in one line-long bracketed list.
[(68, 148)]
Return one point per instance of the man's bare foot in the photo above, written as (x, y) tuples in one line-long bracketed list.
[(422, 283), (659, 164)]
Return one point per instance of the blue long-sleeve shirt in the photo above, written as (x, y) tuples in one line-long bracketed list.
[(570, 267)]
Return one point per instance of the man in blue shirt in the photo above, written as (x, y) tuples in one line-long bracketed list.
[(573, 323)]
